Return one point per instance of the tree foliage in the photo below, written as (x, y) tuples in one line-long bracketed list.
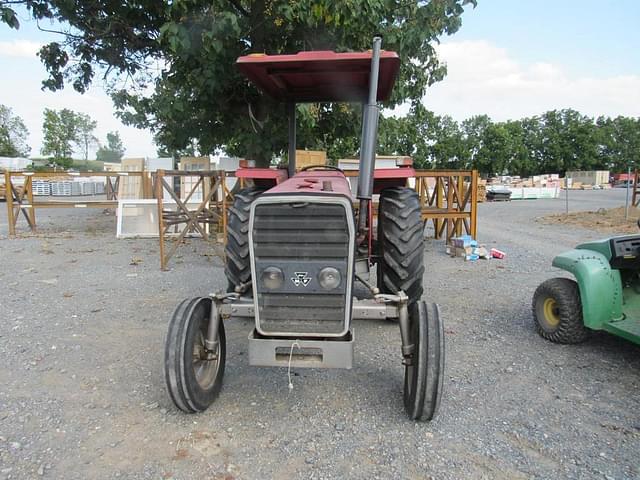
[(64, 129), (198, 95), (554, 142), (59, 130), (13, 134), (85, 138), (113, 151)]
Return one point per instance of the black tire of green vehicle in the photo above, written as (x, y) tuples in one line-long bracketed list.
[(566, 294), (400, 243), (238, 264)]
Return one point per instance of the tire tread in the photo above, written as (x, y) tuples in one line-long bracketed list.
[(571, 328), (400, 243), (237, 262)]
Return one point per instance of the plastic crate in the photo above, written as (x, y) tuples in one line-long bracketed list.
[(41, 187), (61, 189), (88, 188)]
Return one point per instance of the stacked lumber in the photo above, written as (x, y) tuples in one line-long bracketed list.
[(307, 158), (3, 190), (482, 190)]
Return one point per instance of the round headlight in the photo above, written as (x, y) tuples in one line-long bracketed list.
[(329, 278), (272, 278)]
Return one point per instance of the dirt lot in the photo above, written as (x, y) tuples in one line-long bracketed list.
[(82, 393), (607, 220)]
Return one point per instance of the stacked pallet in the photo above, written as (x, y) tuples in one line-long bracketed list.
[(41, 187), (87, 188), (61, 189), (67, 188)]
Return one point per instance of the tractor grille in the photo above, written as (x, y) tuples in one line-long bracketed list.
[(302, 238)]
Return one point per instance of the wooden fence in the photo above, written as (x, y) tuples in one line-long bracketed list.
[(448, 199)]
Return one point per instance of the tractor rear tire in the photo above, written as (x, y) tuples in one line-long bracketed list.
[(558, 311), (400, 243), (238, 264)]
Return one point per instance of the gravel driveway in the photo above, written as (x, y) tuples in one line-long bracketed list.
[(82, 393)]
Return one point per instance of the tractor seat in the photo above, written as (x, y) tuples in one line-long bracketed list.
[(625, 252)]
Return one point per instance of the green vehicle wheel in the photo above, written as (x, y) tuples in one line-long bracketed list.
[(558, 311)]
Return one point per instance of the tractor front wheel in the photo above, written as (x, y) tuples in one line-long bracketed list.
[(192, 373), (558, 311), (424, 367), (400, 243)]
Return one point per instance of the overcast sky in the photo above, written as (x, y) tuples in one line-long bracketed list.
[(510, 59)]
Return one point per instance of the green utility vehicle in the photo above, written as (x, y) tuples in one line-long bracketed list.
[(605, 294)]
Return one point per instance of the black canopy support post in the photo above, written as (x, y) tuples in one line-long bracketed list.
[(291, 110), (369, 141)]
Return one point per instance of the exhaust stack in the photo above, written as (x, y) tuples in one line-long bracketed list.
[(370, 115)]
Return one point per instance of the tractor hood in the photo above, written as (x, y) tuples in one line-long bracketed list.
[(314, 182)]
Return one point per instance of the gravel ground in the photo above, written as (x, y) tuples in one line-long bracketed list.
[(82, 393)]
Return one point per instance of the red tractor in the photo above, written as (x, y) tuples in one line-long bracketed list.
[(297, 242)]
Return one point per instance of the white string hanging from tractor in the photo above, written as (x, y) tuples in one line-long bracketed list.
[(294, 344)]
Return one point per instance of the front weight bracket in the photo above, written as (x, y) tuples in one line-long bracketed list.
[(211, 342)]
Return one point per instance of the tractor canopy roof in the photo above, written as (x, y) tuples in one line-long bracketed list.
[(319, 76)]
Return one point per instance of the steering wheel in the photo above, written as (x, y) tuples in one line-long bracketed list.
[(321, 167)]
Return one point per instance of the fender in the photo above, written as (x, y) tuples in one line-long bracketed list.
[(262, 177), (600, 285), (391, 177)]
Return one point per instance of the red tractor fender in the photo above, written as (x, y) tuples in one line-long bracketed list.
[(391, 177), (263, 177)]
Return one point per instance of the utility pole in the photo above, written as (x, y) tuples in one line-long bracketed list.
[(567, 183), (626, 202)]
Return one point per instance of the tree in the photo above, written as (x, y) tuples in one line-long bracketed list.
[(60, 130), (529, 159), (448, 149), (618, 143), (13, 134), (85, 139), (413, 135), (515, 156), (200, 95), (568, 141), (494, 155), (473, 130), (114, 150), (394, 136)]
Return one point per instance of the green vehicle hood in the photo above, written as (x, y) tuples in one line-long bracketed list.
[(601, 246)]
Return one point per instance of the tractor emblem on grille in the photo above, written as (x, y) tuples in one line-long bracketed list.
[(300, 278)]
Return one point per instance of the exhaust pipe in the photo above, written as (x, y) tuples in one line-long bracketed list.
[(368, 143)]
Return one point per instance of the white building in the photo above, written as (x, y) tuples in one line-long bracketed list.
[(14, 163)]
